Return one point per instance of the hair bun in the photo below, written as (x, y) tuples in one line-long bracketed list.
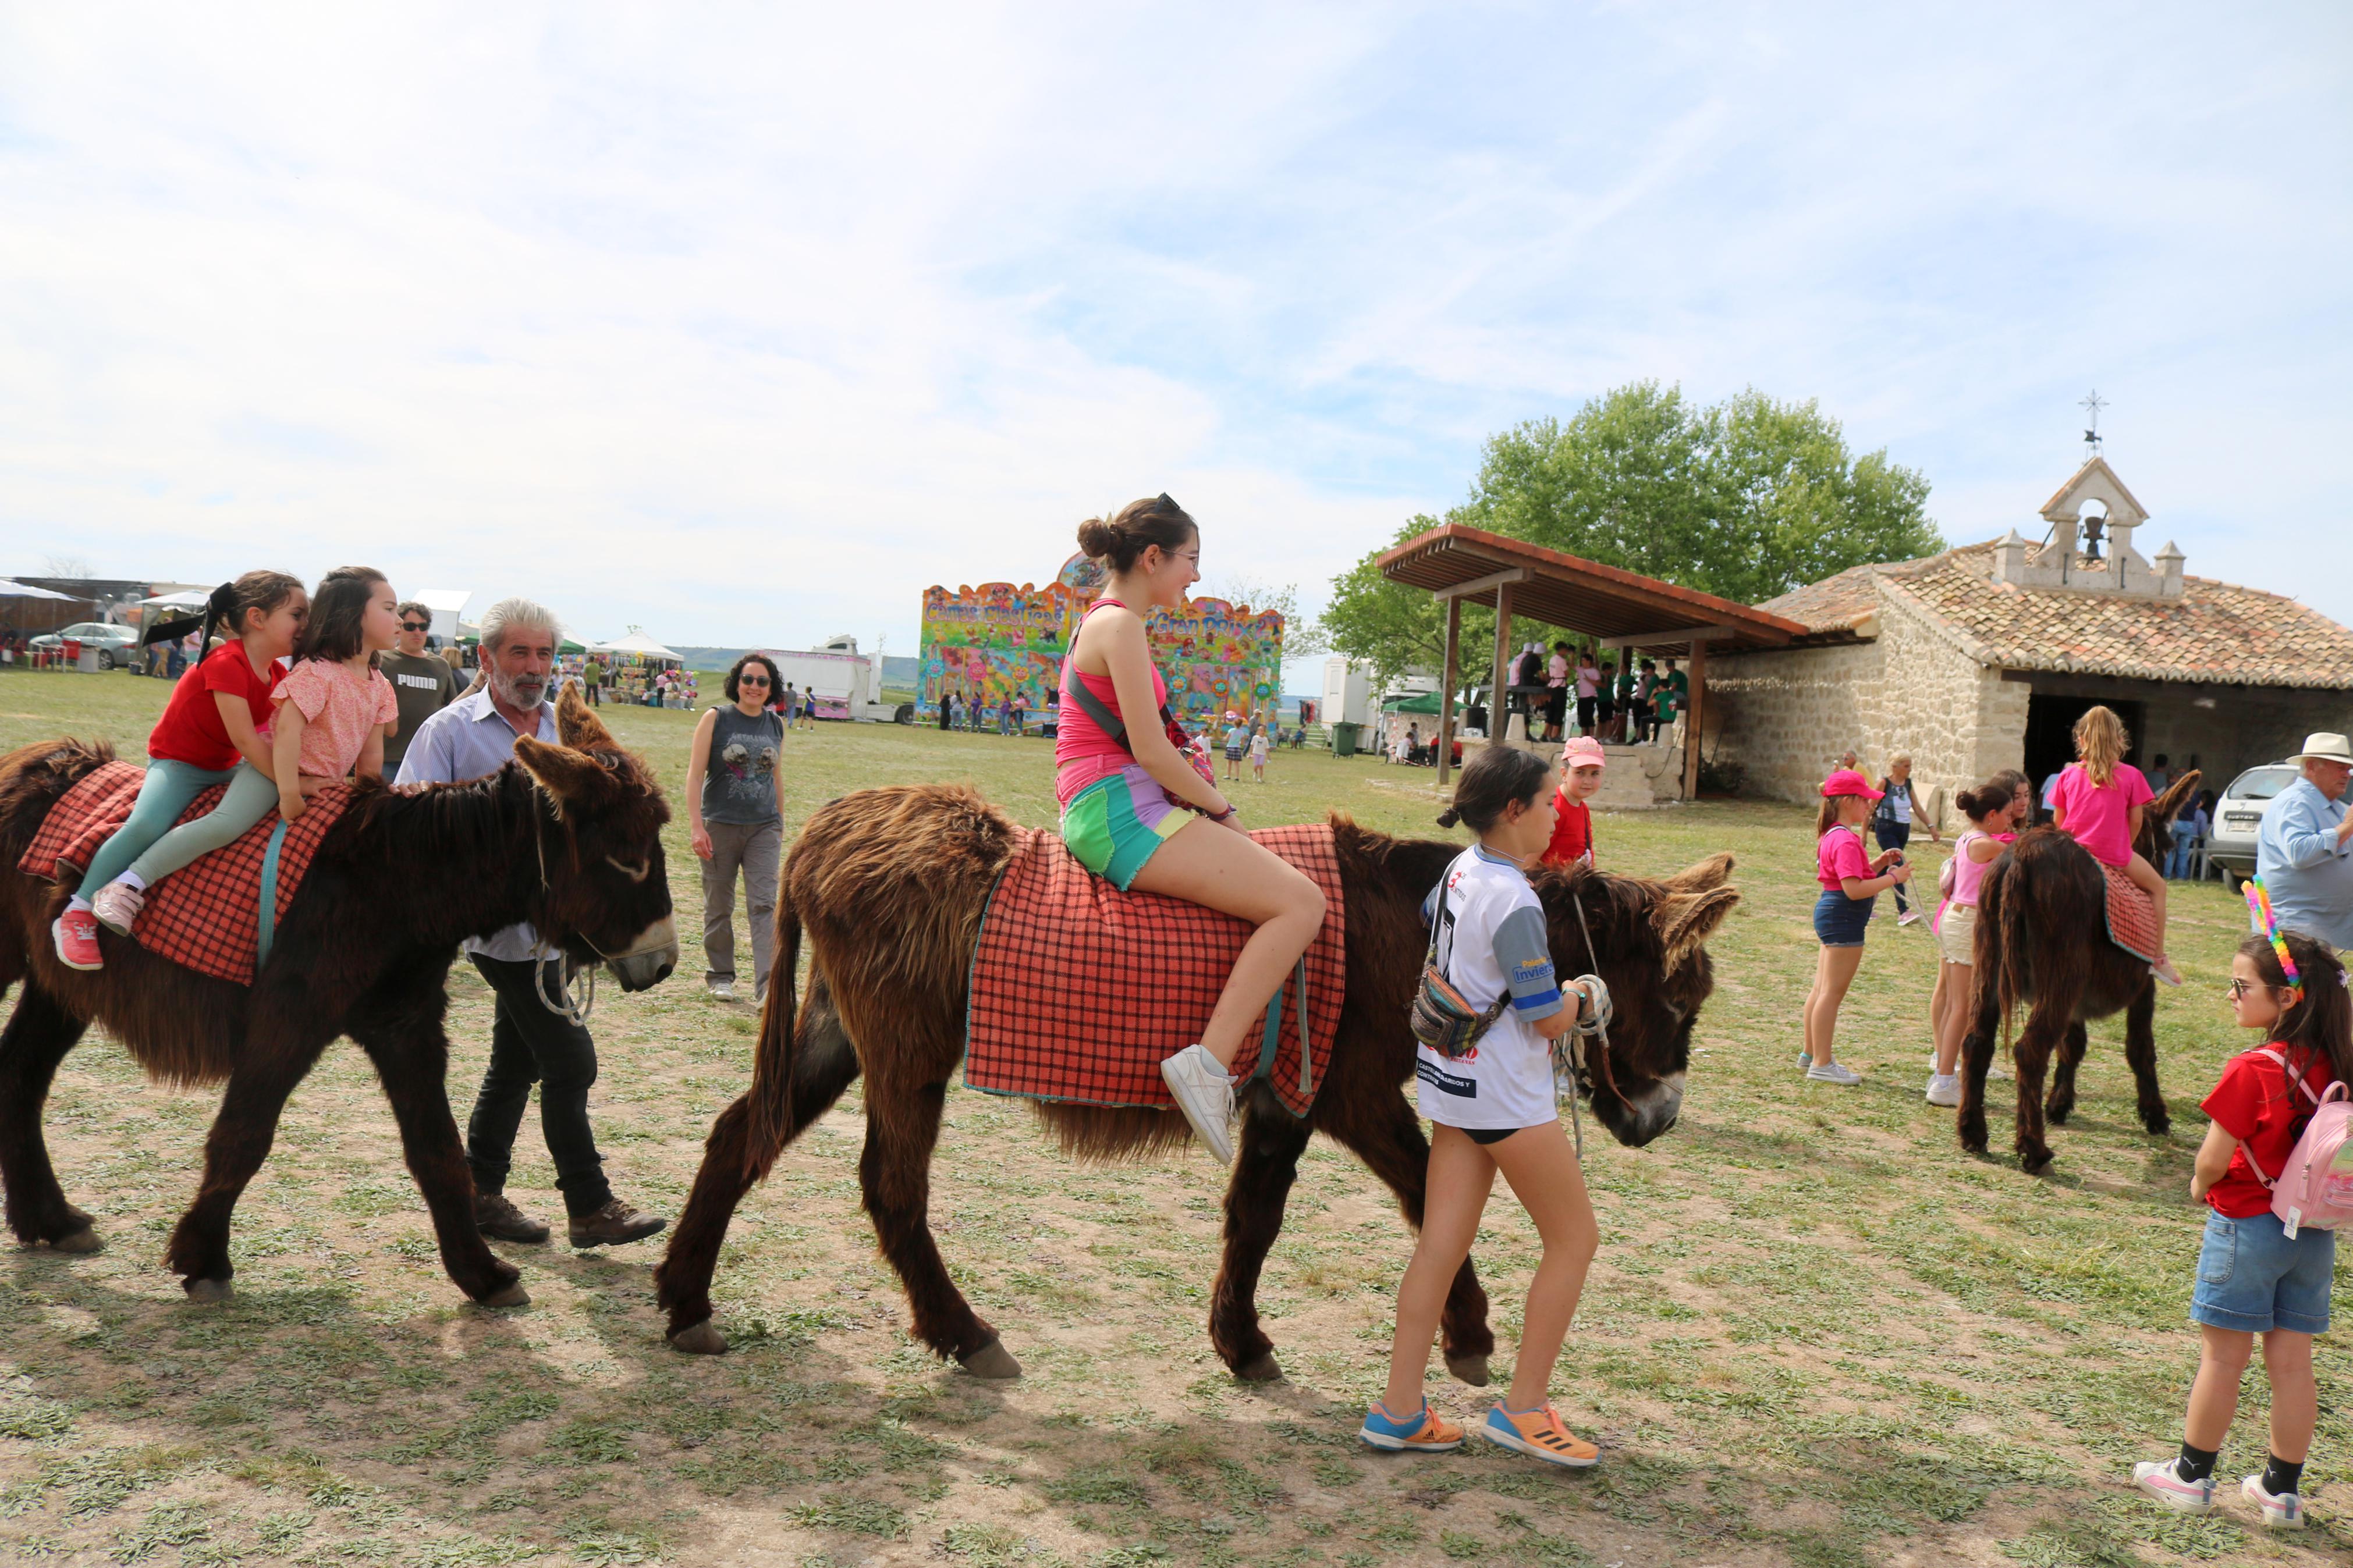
[(1448, 818), (1097, 538)]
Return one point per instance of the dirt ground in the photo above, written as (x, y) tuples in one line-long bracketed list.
[(1816, 1333)]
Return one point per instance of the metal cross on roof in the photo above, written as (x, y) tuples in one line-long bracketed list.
[(2092, 405)]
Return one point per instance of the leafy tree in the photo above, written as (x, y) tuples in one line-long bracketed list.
[(1746, 500)]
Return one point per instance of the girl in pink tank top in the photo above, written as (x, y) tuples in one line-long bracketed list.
[(1135, 813), (1991, 808)]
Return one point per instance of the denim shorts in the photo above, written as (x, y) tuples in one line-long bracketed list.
[(2252, 1277), (1839, 920)]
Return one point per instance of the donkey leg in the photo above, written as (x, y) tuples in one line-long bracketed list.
[(1395, 1148), (1978, 1046), (2044, 1031), (902, 1129), (1264, 1169), (239, 1141), (412, 1062), (2140, 1055), (2060, 1103), (824, 1065), (39, 1034)]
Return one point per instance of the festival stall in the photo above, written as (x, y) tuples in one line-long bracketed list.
[(640, 671), (998, 644)]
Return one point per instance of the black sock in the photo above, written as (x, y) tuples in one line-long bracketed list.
[(2280, 1478), (2196, 1464)]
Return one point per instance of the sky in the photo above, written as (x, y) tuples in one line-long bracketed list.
[(745, 324)]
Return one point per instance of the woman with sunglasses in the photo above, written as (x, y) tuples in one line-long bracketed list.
[(735, 820)]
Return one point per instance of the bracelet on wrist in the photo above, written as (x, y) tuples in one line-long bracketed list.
[(1222, 816)]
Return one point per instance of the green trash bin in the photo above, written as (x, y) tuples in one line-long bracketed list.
[(1343, 739)]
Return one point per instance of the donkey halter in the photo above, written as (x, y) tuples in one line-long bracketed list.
[(1590, 1022), (576, 995)]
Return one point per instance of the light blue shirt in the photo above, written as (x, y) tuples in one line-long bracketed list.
[(466, 741), (2307, 873)]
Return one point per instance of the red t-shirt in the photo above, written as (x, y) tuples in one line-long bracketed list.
[(191, 731), (1839, 855), (2252, 1104), (1572, 831)]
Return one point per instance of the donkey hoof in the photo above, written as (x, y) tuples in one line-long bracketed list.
[(1470, 1369), (991, 1360), (2035, 1164), (210, 1290), (1260, 1368), (83, 1240), (513, 1295), (700, 1339)]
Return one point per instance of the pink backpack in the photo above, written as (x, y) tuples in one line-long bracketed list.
[(2316, 1187)]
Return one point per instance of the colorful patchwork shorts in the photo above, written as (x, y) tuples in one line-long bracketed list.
[(1114, 823)]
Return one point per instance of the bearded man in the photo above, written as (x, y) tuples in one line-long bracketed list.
[(472, 737)]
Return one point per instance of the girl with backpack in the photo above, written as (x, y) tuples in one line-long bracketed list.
[(1490, 1097), (2258, 1273)]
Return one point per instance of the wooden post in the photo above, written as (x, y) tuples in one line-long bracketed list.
[(1496, 723), (1698, 673), (1446, 691)]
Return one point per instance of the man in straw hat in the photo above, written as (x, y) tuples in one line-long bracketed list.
[(2305, 852)]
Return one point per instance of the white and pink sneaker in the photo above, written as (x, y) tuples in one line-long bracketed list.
[(2162, 1481), (77, 936), (117, 905), (2282, 1510)]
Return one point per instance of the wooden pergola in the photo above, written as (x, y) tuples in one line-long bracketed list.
[(1619, 609)]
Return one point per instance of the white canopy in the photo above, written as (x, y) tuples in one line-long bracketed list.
[(185, 599), (25, 591), (439, 599), (636, 642)]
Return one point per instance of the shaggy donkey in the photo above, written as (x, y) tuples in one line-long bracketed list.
[(566, 836), (2043, 936), (890, 884)]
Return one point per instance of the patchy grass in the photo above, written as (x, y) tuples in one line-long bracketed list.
[(1817, 1335)]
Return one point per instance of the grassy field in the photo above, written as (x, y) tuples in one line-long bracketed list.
[(1816, 1333)]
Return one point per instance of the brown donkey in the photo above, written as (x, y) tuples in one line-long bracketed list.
[(566, 836), (890, 884), (2043, 937)]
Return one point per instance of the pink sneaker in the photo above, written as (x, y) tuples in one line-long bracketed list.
[(117, 905), (2160, 1480), (77, 935)]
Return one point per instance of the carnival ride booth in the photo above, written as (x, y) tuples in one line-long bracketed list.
[(636, 667), (998, 645)]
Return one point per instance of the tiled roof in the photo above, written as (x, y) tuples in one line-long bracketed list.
[(2215, 632)]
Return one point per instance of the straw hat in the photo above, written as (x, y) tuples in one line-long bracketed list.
[(2323, 746)]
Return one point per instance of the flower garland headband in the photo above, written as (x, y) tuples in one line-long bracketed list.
[(2259, 905)]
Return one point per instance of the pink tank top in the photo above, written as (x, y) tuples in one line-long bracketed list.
[(1082, 751), (1968, 873)]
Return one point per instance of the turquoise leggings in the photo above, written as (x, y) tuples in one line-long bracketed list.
[(169, 787), (250, 798)]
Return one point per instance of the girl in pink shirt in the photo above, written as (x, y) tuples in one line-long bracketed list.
[(1852, 881), (333, 709), (2099, 801)]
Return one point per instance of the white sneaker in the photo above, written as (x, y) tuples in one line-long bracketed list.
[(2282, 1510), (1834, 1072), (1205, 1093), (116, 906), (1944, 1088), (1907, 917), (2164, 972), (2160, 1480), (721, 990)]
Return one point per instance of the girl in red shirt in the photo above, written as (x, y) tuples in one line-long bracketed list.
[(1581, 761), (213, 721), (2252, 1277)]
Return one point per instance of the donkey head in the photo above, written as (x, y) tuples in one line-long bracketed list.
[(2156, 839), (606, 893), (1647, 940)]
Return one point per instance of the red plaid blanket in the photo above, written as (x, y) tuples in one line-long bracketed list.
[(2132, 915), (1079, 990), (208, 917)]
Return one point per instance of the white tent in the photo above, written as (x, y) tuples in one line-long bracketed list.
[(9, 590), (446, 604), (185, 599), (636, 643)]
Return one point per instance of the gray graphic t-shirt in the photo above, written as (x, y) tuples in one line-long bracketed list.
[(739, 786)]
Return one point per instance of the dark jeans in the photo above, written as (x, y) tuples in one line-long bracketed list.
[(531, 1044), (1893, 835)]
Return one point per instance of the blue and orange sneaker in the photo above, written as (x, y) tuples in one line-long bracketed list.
[(1539, 1433), (1420, 1433)]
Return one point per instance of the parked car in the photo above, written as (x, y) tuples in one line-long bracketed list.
[(2238, 817), (115, 645)]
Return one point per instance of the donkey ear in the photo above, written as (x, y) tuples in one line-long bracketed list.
[(1687, 919), (1703, 875), (578, 725), (570, 776)]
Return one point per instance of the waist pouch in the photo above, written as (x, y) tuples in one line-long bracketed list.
[(1441, 1017)]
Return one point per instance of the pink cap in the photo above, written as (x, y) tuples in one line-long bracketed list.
[(1584, 752), (1846, 781)]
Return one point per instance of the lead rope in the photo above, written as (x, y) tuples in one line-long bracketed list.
[(575, 989), (1591, 1021)]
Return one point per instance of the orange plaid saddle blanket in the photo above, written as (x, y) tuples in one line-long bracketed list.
[(208, 917), (1080, 991), (2132, 915)]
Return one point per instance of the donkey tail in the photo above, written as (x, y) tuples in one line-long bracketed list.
[(2014, 976), (770, 1097)]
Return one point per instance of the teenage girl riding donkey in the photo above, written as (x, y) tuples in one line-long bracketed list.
[(1122, 782), (2099, 801)]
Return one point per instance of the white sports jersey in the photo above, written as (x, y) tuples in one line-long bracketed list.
[(1491, 938)]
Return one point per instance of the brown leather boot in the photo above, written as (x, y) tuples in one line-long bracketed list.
[(496, 1217), (614, 1224)]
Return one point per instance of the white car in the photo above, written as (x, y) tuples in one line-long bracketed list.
[(2238, 817)]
